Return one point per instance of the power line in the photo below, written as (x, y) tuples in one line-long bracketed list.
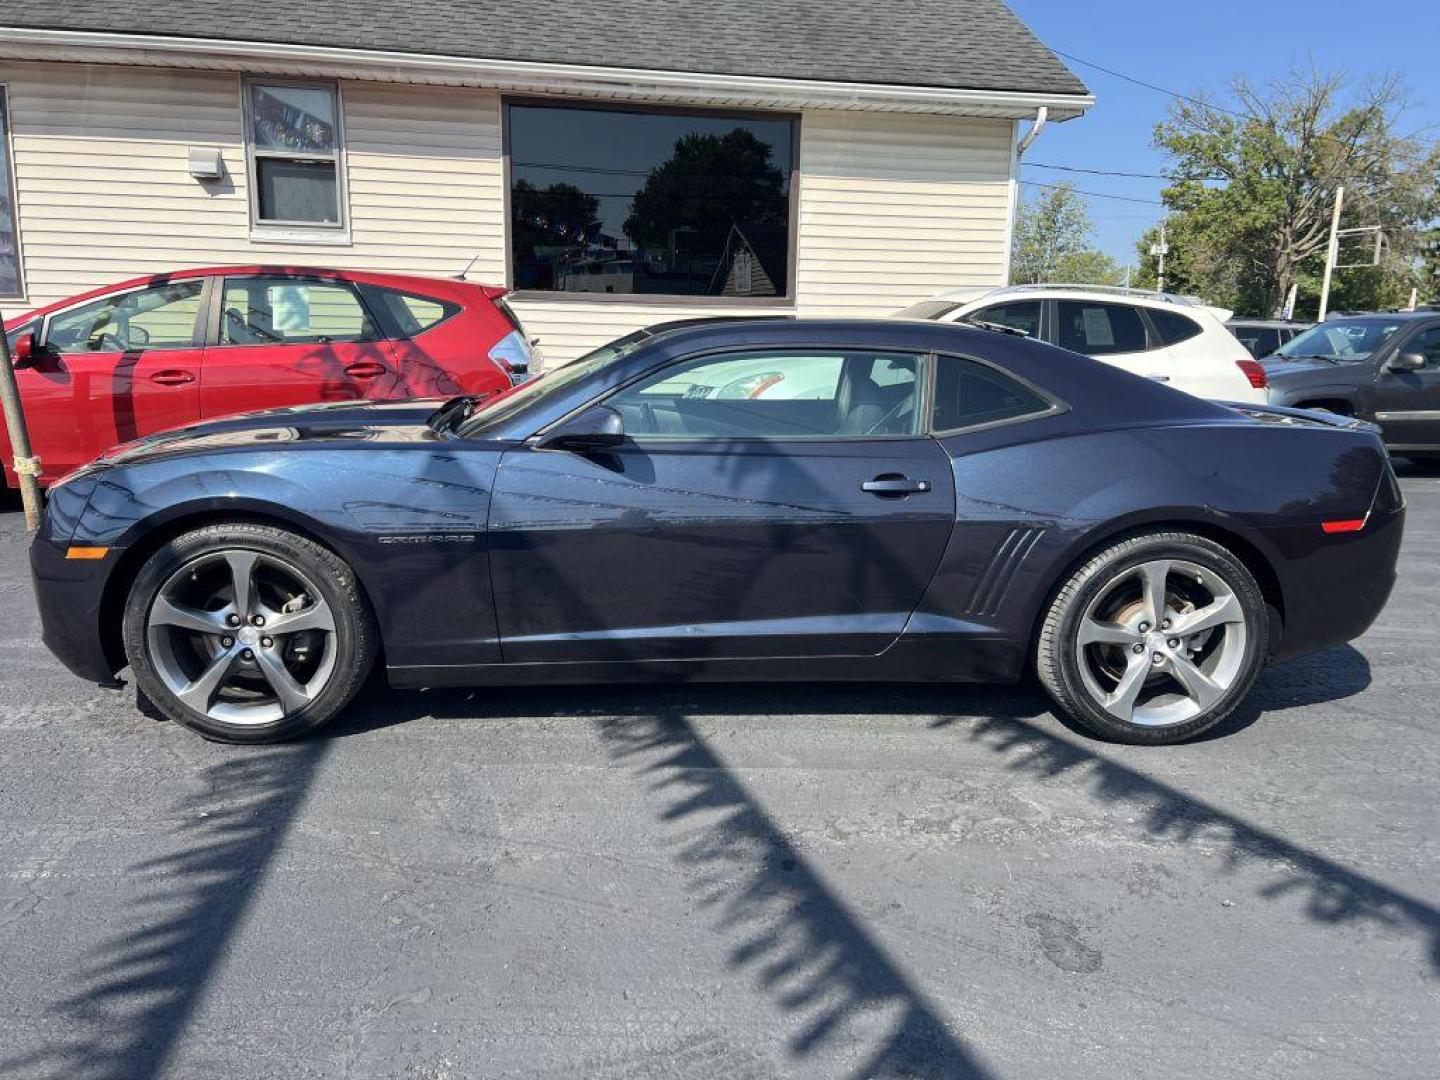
[(1094, 194), (1153, 86), (1094, 172)]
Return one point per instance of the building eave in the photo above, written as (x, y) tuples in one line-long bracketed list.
[(571, 80)]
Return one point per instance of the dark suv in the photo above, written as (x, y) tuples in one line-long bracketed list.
[(1384, 368)]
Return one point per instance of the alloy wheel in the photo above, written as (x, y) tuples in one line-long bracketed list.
[(241, 636), (1161, 643)]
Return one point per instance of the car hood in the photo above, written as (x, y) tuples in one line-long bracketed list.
[(339, 421), (1280, 367)]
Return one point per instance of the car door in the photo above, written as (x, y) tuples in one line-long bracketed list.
[(281, 340), (113, 369), (765, 503), (1407, 403)]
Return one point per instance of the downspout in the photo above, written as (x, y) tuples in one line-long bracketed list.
[(1042, 114)]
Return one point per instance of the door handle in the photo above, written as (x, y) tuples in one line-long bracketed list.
[(173, 377), (1159, 378), (894, 484), (365, 369)]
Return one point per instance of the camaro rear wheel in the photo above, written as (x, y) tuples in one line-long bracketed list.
[(1155, 639), (248, 633)]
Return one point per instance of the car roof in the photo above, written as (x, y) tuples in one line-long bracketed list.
[(421, 282), (1279, 323)]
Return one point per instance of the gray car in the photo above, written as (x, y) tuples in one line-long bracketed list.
[(1383, 368)]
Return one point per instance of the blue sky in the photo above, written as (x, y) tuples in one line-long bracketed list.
[(1190, 47)]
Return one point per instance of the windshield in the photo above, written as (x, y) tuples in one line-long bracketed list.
[(502, 407), (1341, 339)]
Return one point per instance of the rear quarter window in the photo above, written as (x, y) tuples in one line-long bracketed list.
[(408, 315), (1174, 328), (968, 394)]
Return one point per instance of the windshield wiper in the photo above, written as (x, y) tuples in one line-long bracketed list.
[(999, 328), (452, 414), (1310, 356)]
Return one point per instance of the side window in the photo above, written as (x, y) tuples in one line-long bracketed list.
[(1427, 344), (968, 394), (1024, 315), (767, 394), (1099, 329), (407, 314), (158, 318), (1174, 328), (276, 311)]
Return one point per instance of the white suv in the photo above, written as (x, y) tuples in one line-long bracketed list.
[(1173, 339)]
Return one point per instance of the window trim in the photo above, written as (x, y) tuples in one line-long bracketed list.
[(23, 295), (277, 230), (197, 334), (217, 311), (786, 300)]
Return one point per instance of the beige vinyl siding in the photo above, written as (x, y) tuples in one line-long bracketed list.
[(895, 208), (104, 192), (892, 207)]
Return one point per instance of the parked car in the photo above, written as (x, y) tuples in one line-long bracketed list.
[(169, 349), (1261, 337), (1171, 339), (961, 501), (1382, 368)]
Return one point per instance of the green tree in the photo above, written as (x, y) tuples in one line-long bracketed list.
[(1251, 190), (1052, 243), (709, 185), (560, 214)]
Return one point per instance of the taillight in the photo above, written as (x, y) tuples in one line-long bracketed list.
[(1255, 372)]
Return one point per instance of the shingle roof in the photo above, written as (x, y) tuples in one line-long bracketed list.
[(969, 44)]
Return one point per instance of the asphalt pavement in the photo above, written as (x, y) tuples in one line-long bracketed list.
[(733, 881)]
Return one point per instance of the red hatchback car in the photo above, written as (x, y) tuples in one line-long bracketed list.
[(156, 352)]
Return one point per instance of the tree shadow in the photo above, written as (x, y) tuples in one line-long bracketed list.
[(138, 989), (803, 947)]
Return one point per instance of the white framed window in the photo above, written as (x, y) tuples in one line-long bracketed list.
[(12, 267), (295, 156)]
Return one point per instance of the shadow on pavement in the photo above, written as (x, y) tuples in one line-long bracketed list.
[(137, 990), (805, 950)]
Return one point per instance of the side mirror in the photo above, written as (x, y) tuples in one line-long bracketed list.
[(597, 428), (1406, 361), (25, 352)]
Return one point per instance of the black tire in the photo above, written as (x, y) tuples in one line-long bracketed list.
[(1058, 652), (355, 638)]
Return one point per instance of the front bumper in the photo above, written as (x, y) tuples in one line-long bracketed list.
[(70, 596)]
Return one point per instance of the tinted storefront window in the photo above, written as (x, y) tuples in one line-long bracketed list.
[(669, 204)]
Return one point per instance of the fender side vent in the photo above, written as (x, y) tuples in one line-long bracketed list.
[(994, 581)]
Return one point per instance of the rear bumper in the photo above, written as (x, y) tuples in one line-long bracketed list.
[(1337, 584)]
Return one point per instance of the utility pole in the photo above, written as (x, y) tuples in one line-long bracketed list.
[(1161, 249), (27, 466), (1332, 252)]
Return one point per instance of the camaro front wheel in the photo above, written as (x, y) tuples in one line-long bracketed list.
[(1155, 639), (247, 633)]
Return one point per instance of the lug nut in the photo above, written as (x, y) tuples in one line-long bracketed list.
[(1144, 628), (1157, 658), (1165, 625), (257, 620), (1174, 643), (266, 642), (1138, 649), (232, 619), (227, 641), (251, 656)]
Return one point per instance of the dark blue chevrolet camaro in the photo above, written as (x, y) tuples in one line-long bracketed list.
[(741, 500)]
